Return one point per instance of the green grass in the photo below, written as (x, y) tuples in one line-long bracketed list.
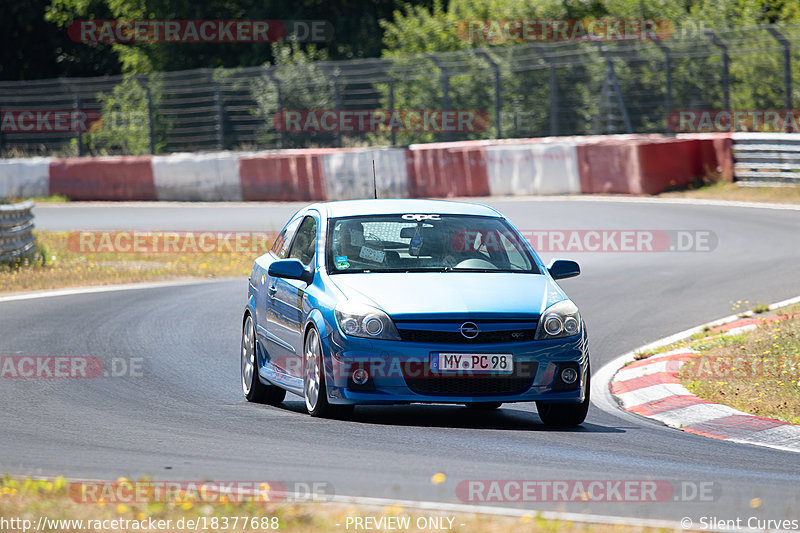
[(53, 199), (58, 265), (757, 372), (723, 190)]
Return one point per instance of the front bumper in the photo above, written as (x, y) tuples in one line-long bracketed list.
[(400, 373)]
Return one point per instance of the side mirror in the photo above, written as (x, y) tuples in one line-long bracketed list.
[(290, 269), (563, 268)]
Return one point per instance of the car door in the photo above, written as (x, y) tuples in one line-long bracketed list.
[(285, 318), (265, 285)]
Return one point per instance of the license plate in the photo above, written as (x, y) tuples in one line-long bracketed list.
[(477, 363)]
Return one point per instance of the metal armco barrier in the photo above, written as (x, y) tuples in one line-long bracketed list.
[(766, 157), (16, 231)]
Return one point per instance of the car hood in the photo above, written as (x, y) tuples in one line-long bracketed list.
[(457, 294)]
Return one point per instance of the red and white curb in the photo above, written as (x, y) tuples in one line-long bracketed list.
[(651, 388)]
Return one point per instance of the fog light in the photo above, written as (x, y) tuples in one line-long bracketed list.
[(360, 376), (569, 375)]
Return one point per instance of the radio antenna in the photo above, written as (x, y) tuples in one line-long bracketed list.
[(374, 180)]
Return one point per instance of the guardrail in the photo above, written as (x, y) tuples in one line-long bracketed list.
[(16, 231), (766, 157)]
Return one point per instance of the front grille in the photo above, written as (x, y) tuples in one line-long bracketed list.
[(455, 337), (485, 385)]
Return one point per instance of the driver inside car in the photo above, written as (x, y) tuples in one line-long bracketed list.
[(352, 243)]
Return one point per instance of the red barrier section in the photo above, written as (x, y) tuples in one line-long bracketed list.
[(651, 166), (608, 167), (667, 165), (715, 154), (292, 175), (447, 170), (103, 178)]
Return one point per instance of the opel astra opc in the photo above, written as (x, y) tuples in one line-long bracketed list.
[(399, 301)]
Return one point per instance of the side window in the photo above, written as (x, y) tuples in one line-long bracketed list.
[(281, 245), (305, 242)]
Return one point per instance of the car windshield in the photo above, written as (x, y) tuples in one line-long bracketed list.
[(424, 242)]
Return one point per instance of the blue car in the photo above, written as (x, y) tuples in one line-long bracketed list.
[(396, 301)]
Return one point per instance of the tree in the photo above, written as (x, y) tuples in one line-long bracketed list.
[(34, 48), (356, 29)]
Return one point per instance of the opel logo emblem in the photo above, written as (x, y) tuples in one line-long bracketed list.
[(420, 218), (469, 330)]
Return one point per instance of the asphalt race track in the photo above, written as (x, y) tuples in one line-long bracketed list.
[(185, 418)]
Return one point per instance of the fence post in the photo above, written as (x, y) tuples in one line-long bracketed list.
[(220, 117), (611, 74), (391, 108), (497, 95), (553, 83), (79, 133), (445, 89), (337, 104), (726, 104), (787, 68), (668, 73), (271, 75), (150, 129)]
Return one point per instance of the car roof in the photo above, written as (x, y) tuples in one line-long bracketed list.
[(348, 208)]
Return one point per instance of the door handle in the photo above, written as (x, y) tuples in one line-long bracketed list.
[(272, 289)]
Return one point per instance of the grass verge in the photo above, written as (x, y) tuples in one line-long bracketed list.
[(731, 191), (756, 371), (55, 500), (57, 264), (52, 199)]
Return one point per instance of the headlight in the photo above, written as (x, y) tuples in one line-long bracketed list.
[(561, 319), (361, 320)]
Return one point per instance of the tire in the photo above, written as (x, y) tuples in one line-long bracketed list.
[(483, 406), (252, 387), (566, 414), (315, 393)]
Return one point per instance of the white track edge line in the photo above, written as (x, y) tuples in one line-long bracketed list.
[(92, 289)]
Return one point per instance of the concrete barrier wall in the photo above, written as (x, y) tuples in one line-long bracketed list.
[(205, 177), (290, 175), (651, 166), (535, 168), (625, 164), (348, 174), (445, 170), (104, 178), (21, 178)]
